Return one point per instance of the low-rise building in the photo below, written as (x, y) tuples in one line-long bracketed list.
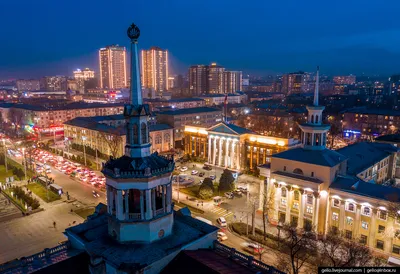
[(179, 118), (233, 147), (43, 117), (107, 134), (179, 103), (214, 99), (370, 122)]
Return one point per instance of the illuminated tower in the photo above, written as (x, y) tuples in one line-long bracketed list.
[(139, 190), (313, 134), (112, 67)]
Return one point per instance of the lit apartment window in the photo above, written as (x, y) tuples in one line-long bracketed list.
[(382, 215), (309, 209), (366, 211), (296, 205), (350, 207), (296, 196), (364, 225), (381, 229), (349, 220), (379, 244), (336, 203), (335, 216)]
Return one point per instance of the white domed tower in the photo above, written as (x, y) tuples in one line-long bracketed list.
[(139, 190), (313, 134)]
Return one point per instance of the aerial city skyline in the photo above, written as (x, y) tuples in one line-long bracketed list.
[(200, 136)]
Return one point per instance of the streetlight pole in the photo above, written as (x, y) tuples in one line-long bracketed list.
[(25, 163), (5, 154), (84, 149), (97, 160)]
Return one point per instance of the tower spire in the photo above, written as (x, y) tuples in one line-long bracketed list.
[(136, 87), (316, 91)]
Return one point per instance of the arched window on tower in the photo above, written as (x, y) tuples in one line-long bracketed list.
[(308, 141), (135, 134), (143, 132), (317, 138), (316, 119), (312, 119)]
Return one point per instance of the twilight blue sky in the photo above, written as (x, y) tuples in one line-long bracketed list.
[(49, 37)]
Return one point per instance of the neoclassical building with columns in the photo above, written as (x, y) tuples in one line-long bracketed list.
[(312, 186), (233, 147)]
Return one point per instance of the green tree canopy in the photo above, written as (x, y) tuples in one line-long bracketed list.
[(209, 182), (205, 192), (226, 182)]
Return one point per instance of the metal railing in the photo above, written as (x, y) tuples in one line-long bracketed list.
[(244, 259), (22, 262), (159, 212), (135, 216)]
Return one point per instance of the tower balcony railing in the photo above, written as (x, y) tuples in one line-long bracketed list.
[(159, 212), (135, 216)]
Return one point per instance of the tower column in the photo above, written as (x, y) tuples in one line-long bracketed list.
[(251, 157), (303, 199), (163, 196), (238, 156), (316, 217), (149, 212), (153, 199), (258, 156), (126, 204), (120, 207), (169, 197), (141, 205), (233, 154)]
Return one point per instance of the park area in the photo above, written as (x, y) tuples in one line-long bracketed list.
[(46, 195)]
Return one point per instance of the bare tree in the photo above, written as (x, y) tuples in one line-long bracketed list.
[(252, 204), (113, 140), (268, 207), (337, 251), (300, 247), (15, 116)]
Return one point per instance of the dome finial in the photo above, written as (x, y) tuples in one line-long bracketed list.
[(133, 32)]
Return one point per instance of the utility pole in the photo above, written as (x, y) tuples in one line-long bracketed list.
[(97, 160), (25, 163), (84, 149), (5, 154)]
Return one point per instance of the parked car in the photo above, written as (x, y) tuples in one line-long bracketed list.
[(206, 167), (212, 177), (194, 172), (184, 168), (221, 221), (221, 236), (229, 195), (237, 193), (242, 189), (201, 174), (252, 248), (95, 194)]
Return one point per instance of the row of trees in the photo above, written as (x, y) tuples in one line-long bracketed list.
[(89, 151), (19, 193)]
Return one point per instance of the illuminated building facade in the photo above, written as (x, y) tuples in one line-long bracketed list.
[(198, 79), (28, 85), (54, 83), (297, 82), (313, 187), (113, 67), (81, 76), (233, 147), (155, 69)]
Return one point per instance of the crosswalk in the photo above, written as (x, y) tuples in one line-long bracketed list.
[(222, 212)]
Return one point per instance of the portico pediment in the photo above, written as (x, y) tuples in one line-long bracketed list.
[(228, 129)]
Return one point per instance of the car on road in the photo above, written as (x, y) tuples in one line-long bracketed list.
[(252, 248), (206, 167), (237, 193), (221, 236), (242, 189), (95, 194), (184, 168), (229, 195), (201, 174), (194, 172), (212, 177), (221, 221)]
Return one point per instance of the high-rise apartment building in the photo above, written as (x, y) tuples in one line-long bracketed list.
[(198, 79), (81, 76), (232, 81), (54, 83), (297, 82), (28, 85), (155, 69), (113, 67), (213, 79)]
